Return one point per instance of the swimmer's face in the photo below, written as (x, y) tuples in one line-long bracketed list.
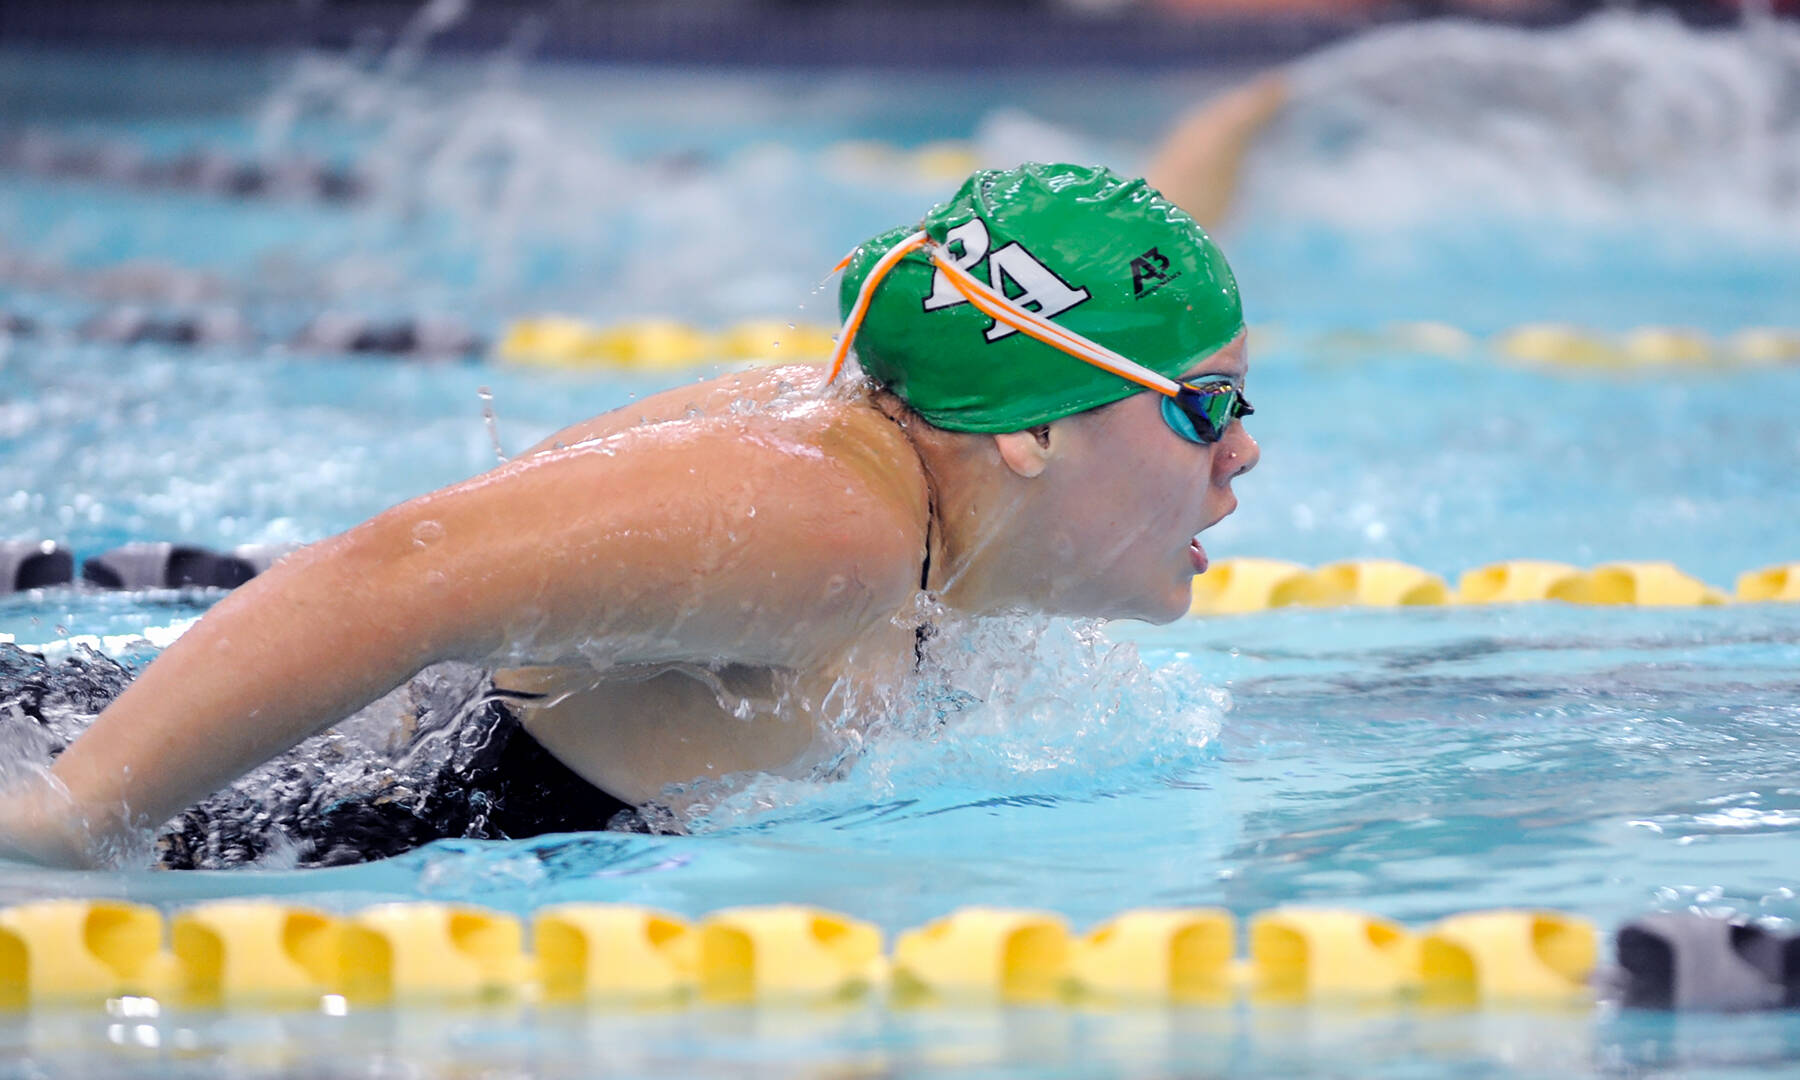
[(1135, 496)]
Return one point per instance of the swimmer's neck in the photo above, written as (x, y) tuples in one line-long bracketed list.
[(976, 511)]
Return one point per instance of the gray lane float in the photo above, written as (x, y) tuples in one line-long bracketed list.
[(166, 566), (1692, 962), (34, 564)]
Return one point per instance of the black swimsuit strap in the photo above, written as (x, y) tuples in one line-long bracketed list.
[(922, 633)]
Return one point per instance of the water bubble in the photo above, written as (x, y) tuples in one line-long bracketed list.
[(426, 533), (492, 421)]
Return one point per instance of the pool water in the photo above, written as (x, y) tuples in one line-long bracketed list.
[(1414, 763)]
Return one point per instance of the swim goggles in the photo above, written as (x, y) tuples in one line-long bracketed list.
[(1198, 412)]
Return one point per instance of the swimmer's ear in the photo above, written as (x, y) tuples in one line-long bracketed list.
[(1025, 452)]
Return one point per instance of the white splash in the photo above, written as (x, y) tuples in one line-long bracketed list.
[(1621, 118)]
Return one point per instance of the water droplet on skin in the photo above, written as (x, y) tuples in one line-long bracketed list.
[(426, 533), (436, 577)]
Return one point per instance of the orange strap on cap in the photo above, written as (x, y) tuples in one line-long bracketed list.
[(995, 306)]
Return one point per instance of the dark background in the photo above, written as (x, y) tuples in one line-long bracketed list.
[(889, 33)]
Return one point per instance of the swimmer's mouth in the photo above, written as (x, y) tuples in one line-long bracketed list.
[(1196, 553)]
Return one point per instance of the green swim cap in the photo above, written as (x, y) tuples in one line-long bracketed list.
[(1106, 257)]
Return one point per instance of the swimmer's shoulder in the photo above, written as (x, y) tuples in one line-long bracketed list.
[(742, 393), (820, 467)]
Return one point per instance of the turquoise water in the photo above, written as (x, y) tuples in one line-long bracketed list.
[(1417, 763)]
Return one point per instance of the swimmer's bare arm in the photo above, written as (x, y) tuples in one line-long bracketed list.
[(639, 548), (1199, 163)]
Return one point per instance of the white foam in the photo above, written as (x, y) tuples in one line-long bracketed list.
[(113, 645), (1621, 118)]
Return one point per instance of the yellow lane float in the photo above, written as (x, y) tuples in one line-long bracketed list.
[(657, 345), (984, 952), (946, 161), (15, 970), (1668, 345), (1235, 586), (449, 951), (79, 950), (1380, 583), (551, 341), (1508, 956), (1182, 954), (1514, 582), (787, 951), (1764, 345), (266, 952), (613, 951), (1434, 338), (653, 345), (1644, 584), (1300, 953), (1562, 346), (1770, 583), (770, 341), (1429, 338), (647, 345)]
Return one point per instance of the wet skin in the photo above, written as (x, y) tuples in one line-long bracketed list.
[(1115, 525), (688, 578)]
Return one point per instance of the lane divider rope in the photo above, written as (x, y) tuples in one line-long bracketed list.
[(559, 341), (658, 345), (230, 174), (264, 953), (1238, 586)]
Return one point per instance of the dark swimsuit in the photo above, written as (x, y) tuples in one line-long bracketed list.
[(510, 787)]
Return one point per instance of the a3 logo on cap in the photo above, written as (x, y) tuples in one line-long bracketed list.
[(1150, 272)]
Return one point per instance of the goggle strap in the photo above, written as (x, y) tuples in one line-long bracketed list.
[(997, 307), (853, 321), (1031, 324)]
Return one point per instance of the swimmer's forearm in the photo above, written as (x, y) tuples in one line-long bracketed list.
[(307, 643), (318, 636)]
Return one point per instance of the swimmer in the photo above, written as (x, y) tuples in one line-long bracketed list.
[(1054, 365)]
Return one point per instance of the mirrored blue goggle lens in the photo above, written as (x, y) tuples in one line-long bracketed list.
[(1179, 421), (1201, 414)]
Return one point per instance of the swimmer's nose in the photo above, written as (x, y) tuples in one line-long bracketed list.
[(1238, 453)]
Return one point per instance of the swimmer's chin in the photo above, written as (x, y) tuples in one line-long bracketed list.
[(1173, 609)]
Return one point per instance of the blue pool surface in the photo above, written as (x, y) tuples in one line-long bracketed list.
[(1414, 763)]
